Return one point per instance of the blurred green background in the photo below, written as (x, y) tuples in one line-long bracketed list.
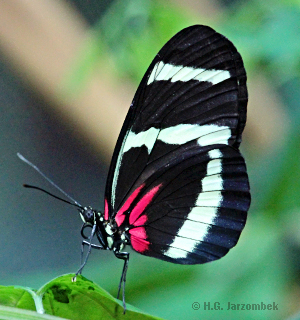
[(40, 237)]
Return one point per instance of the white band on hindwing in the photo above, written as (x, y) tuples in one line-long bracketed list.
[(201, 217)]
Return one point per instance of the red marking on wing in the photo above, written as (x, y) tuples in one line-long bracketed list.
[(142, 204), (137, 238), (120, 215), (138, 234), (140, 221), (139, 245), (105, 210)]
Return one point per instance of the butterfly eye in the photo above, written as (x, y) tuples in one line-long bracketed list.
[(88, 215)]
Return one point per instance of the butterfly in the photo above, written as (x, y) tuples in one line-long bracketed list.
[(177, 187)]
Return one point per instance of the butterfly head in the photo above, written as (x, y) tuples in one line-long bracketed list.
[(88, 215)]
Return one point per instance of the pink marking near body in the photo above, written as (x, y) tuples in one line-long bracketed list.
[(119, 218), (137, 239), (138, 235), (120, 215), (105, 210), (139, 245), (140, 221), (142, 204), (138, 232)]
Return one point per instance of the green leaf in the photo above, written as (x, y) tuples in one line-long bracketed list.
[(17, 297), (70, 299)]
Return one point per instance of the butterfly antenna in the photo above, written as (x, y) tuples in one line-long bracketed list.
[(52, 195), (50, 181)]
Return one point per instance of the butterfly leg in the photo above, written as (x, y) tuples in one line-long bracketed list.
[(124, 256), (91, 245)]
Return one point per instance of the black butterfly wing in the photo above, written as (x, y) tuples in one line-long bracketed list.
[(177, 180)]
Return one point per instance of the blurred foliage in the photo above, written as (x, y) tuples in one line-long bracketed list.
[(264, 267), (269, 30)]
